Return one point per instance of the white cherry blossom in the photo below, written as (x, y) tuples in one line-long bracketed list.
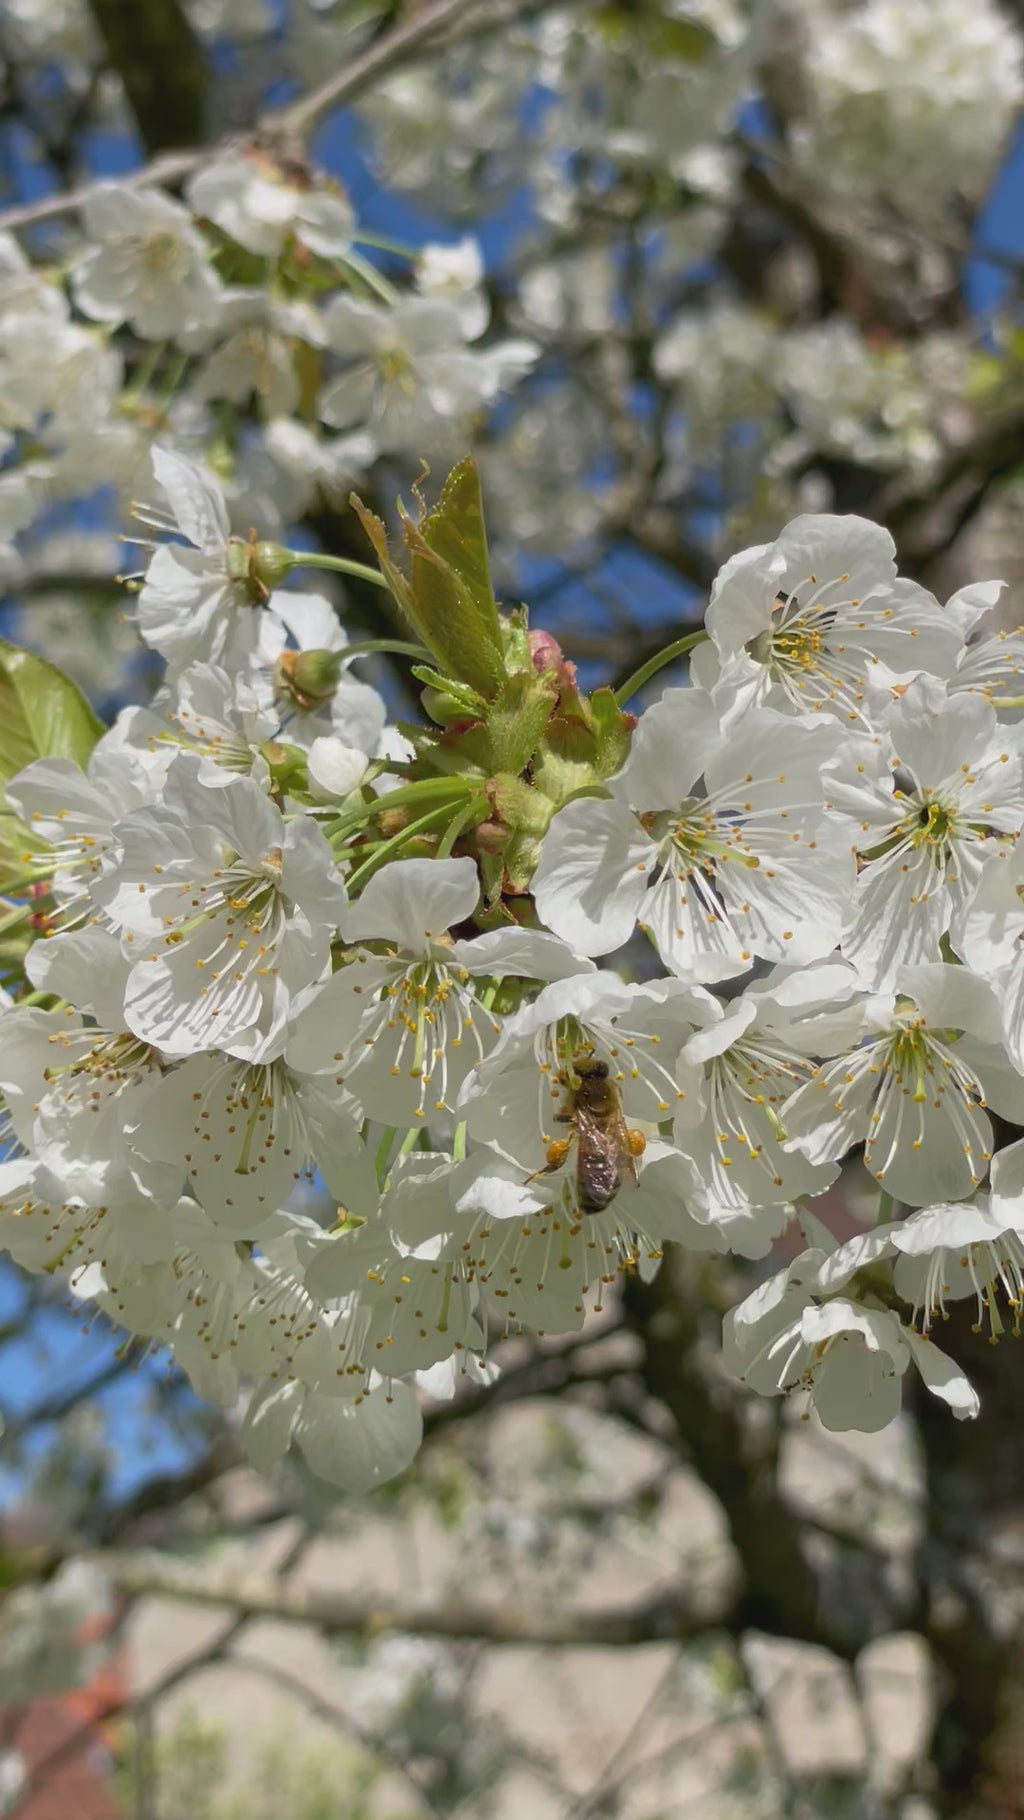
[(352, 711), (200, 604), (224, 719), (456, 274), (991, 939), (714, 839), (401, 1025), (357, 1442), (513, 1097), (409, 375), (912, 1082), (226, 908), (795, 1333), (816, 619), (992, 658), (148, 265), (952, 1252), (752, 1068), (935, 802), (74, 813), (248, 195)]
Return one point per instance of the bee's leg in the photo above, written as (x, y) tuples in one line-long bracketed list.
[(636, 1144), (556, 1154)]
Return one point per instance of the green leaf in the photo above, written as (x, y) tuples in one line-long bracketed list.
[(447, 597), (455, 531), (43, 714), (376, 531)]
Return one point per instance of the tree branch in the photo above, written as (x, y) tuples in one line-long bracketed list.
[(160, 61), (668, 1617), (277, 123), (784, 1594)]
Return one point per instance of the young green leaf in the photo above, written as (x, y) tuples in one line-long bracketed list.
[(43, 714)]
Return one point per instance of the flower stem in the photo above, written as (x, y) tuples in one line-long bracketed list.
[(368, 273), (397, 841), (400, 646), (658, 662), (445, 790), (380, 1162), (18, 915), (459, 825), (385, 244), (342, 565)]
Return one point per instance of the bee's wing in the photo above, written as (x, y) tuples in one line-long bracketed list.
[(598, 1167)]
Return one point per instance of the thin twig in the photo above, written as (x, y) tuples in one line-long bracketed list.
[(277, 123), (322, 1708), (301, 115)]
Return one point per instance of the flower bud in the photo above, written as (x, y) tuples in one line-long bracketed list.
[(491, 836), (392, 821), (269, 563), (443, 709), (547, 654), (308, 677)]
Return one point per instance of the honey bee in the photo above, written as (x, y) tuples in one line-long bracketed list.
[(606, 1147)]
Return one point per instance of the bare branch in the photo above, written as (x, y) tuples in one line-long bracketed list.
[(669, 1616)]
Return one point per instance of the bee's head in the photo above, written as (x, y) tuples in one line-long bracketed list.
[(590, 1068)]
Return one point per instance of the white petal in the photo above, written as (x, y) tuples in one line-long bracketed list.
[(197, 500)]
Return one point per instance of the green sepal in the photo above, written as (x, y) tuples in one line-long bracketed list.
[(287, 766), (492, 874), (521, 857), (438, 753), (515, 638), (516, 720), (612, 732), (566, 764), (443, 709), (519, 805), (309, 677)]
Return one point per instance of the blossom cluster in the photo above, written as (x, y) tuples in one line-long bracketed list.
[(524, 995), (249, 300)]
